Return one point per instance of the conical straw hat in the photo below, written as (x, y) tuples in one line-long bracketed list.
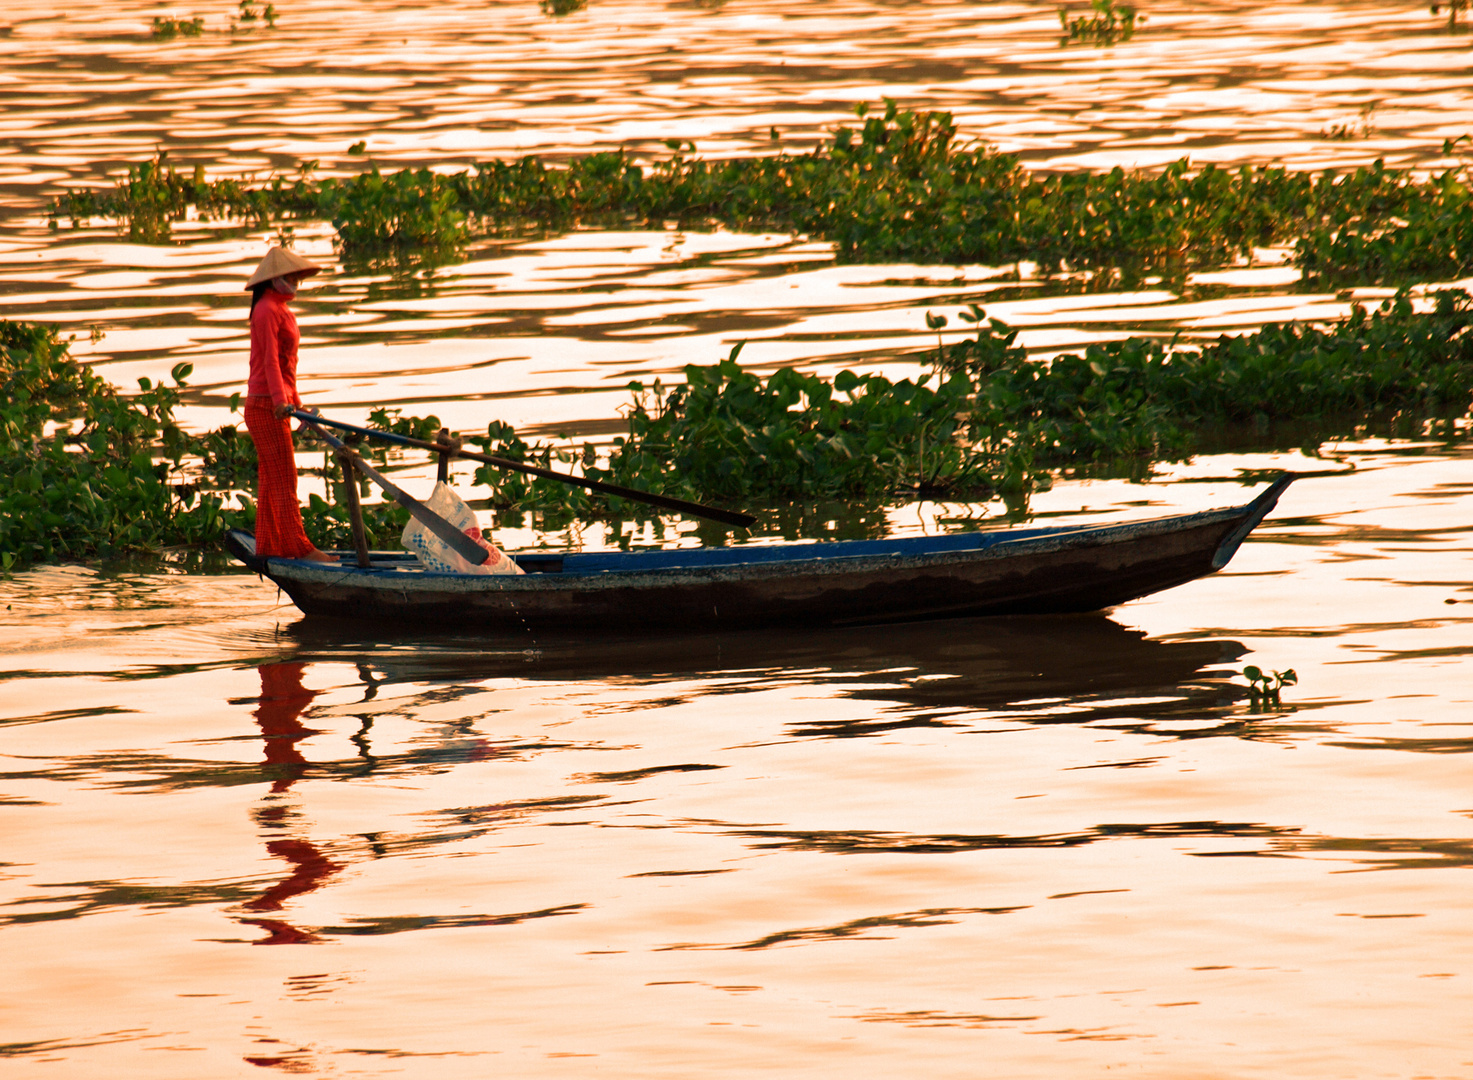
[(278, 262)]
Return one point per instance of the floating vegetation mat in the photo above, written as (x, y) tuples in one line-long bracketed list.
[(900, 188), (88, 470)]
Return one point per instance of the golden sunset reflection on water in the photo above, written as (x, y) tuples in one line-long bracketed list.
[(234, 841)]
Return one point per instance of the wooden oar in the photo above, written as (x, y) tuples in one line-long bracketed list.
[(726, 517), (464, 546)]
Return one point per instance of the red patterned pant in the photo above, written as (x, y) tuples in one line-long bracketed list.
[(279, 529)]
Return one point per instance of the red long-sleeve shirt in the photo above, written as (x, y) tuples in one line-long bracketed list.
[(274, 341)]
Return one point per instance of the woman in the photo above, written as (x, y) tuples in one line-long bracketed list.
[(271, 395)]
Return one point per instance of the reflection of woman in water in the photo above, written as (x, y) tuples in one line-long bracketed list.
[(283, 700)]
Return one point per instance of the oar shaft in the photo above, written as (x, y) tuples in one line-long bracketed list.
[(726, 517), (464, 546)]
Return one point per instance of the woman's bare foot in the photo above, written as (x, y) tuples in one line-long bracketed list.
[(319, 556)]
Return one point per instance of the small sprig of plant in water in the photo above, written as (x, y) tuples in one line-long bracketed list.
[(1107, 23), (1454, 9), (167, 28), (249, 14), (1265, 687), (1362, 129)]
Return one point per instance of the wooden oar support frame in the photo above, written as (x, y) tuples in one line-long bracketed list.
[(451, 445), (355, 505)]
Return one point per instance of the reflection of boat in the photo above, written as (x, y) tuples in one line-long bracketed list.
[(1031, 669), (984, 663), (993, 572)]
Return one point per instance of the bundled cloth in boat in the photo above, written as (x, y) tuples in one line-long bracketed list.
[(437, 555)]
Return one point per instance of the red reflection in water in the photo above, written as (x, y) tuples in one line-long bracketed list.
[(281, 933), (312, 869), (283, 700), (290, 1063)]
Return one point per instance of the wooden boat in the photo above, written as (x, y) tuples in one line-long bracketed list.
[(1027, 571)]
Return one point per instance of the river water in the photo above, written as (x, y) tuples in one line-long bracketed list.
[(232, 839)]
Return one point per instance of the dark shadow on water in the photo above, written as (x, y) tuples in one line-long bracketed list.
[(367, 927), (834, 842), (919, 674), (872, 928), (970, 676), (965, 675)]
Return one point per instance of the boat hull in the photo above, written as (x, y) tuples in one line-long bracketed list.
[(1006, 572)]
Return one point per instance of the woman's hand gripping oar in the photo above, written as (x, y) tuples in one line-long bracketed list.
[(680, 506), (464, 546)]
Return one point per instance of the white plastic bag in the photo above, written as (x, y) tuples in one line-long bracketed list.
[(439, 556)]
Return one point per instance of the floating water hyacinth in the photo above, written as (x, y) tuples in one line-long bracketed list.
[(87, 469), (1265, 688), (900, 188), (1107, 24)]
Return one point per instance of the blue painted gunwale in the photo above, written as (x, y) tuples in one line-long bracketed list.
[(821, 551), (544, 569), (816, 555)]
